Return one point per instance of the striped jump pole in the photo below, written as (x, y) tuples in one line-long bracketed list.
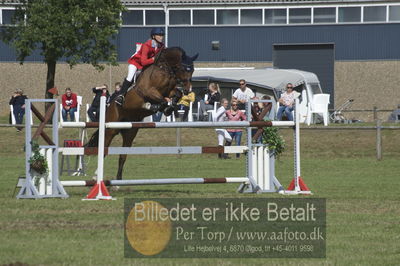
[(128, 125), (173, 150), (161, 181)]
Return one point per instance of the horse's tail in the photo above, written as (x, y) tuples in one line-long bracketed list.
[(94, 140)]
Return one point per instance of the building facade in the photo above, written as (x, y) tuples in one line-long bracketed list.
[(353, 46)]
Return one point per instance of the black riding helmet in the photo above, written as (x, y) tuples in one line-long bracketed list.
[(157, 31)]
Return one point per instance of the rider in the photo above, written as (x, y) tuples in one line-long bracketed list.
[(144, 57)]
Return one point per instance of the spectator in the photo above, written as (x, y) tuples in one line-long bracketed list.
[(184, 104), (242, 95), (115, 93), (69, 102), (158, 115), (18, 102), (222, 134), (262, 112), (213, 95), (234, 114), (94, 109), (286, 103), (395, 115)]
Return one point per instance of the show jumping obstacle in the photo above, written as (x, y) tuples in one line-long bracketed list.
[(259, 164)]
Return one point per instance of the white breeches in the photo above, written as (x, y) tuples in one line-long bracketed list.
[(132, 69), (222, 135)]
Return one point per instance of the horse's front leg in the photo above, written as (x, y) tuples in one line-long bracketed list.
[(127, 138)]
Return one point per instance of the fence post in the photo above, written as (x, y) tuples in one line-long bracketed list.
[(375, 112), (378, 139)]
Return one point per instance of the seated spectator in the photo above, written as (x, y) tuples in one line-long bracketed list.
[(115, 93), (261, 112), (242, 95), (18, 102), (94, 109), (213, 95), (184, 104), (234, 114), (286, 103), (395, 115), (158, 115), (222, 134), (69, 103)]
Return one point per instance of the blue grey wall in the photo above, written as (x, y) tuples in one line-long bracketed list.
[(352, 42)]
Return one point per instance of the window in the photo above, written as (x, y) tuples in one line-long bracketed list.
[(275, 16), (132, 17), (374, 13), (7, 16), (155, 17), (227, 16), (325, 15), (349, 14), (251, 16), (394, 13), (203, 17), (179, 17), (299, 15)]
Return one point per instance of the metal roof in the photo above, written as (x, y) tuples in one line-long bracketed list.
[(228, 2), (268, 78), (241, 2)]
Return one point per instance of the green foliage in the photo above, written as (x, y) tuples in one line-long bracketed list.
[(275, 142), (37, 161), (79, 31)]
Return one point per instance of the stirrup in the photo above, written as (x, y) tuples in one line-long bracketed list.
[(120, 100)]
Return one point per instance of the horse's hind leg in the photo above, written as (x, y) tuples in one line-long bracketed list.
[(127, 139)]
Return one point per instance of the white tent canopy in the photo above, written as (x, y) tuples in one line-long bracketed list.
[(268, 77)]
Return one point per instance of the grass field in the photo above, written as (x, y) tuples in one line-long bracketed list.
[(363, 207)]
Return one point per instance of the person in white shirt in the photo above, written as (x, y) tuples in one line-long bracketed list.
[(222, 134), (286, 103), (242, 95)]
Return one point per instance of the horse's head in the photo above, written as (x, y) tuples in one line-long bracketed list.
[(185, 72), (180, 65)]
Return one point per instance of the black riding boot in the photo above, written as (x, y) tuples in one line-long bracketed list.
[(225, 155), (124, 89), (220, 153)]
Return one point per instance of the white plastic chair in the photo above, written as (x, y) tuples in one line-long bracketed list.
[(210, 112), (190, 113), (318, 105), (78, 110), (13, 121)]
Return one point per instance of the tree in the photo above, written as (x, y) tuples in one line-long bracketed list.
[(77, 31)]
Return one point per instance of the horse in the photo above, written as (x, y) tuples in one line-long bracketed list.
[(172, 67)]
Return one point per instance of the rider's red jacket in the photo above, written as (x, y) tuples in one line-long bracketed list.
[(145, 55)]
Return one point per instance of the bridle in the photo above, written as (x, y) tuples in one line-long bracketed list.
[(174, 70)]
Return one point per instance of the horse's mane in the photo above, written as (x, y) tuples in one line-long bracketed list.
[(168, 54)]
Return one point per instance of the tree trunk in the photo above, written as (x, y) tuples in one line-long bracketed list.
[(51, 74)]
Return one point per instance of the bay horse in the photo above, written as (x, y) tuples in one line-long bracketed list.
[(171, 68)]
